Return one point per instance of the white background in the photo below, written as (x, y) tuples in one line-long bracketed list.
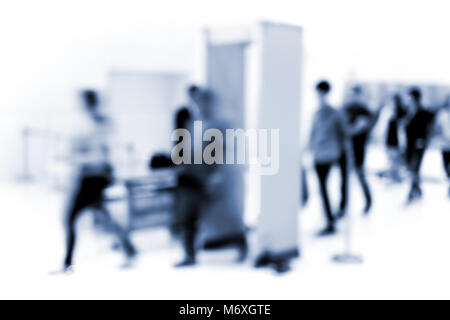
[(50, 48)]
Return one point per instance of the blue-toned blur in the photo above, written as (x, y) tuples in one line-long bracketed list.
[(212, 155)]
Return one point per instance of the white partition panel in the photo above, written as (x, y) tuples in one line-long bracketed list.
[(272, 53), (280, 52), (225, 77)]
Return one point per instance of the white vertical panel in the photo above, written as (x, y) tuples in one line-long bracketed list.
[(280, 49), (225, 78), (275, 53)]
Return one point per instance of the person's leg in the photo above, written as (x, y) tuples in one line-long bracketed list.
[(410, 159), (343, 165), (420, 156), (394, 159), (416, 162), (77, 206), (189, 236), (323, 171), (304, 187), (88, 195), (120, 232), (446, 160), (365, 187), (242, 246), (97, 187), (188, 211), (359, 150)]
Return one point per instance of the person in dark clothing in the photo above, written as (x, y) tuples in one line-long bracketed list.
[(446, 163), (400, 112), (443, 134), (93, 174), (191, 192), (418, 134), (189, 197), (360, 121), (183, 116), (205, 195), (323, 172), (327, 143), (392, 137), (188, 194)]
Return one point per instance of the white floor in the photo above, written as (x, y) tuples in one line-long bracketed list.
[(405, 251)]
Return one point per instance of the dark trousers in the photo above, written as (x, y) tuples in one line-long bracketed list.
[(414, 158), (359, 146), (90, 195), (187, 215), (323, 171), (446, 161)]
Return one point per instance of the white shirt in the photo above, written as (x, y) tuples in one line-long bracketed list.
[(90, 146)]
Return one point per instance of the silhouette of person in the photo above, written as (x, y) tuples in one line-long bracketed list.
[(328, 144), (191, 190), (443, 125), (418, 134), (359, 121), (392, 137), (93, 173), (201, 187), (188, 195), (183, 116)]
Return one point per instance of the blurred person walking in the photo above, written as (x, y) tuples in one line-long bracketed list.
[(328, 144), (418, 133), (191, 190), (93, 173), (443, 126), (204, 194), (359, 124), (188, 193), (393, 144)]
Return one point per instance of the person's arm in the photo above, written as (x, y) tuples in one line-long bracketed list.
[(312, 135), (344, 135), (342, 129), (443, 106), (347, 129), (377, 113), (431, 128), (362, 124)]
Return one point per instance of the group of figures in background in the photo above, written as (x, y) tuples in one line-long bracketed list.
[(205, 193), (340, 137), (198, 189)]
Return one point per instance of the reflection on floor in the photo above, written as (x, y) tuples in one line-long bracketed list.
[(404, 249)]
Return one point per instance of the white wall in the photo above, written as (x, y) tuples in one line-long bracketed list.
[(142, 106), (50, 47), (48, 52)]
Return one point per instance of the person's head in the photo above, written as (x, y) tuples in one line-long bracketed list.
[(323, 89), (202, 98), (182, 118), (357, 93), (89, 99), (447, 103), (415, 97), (193, 92)]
